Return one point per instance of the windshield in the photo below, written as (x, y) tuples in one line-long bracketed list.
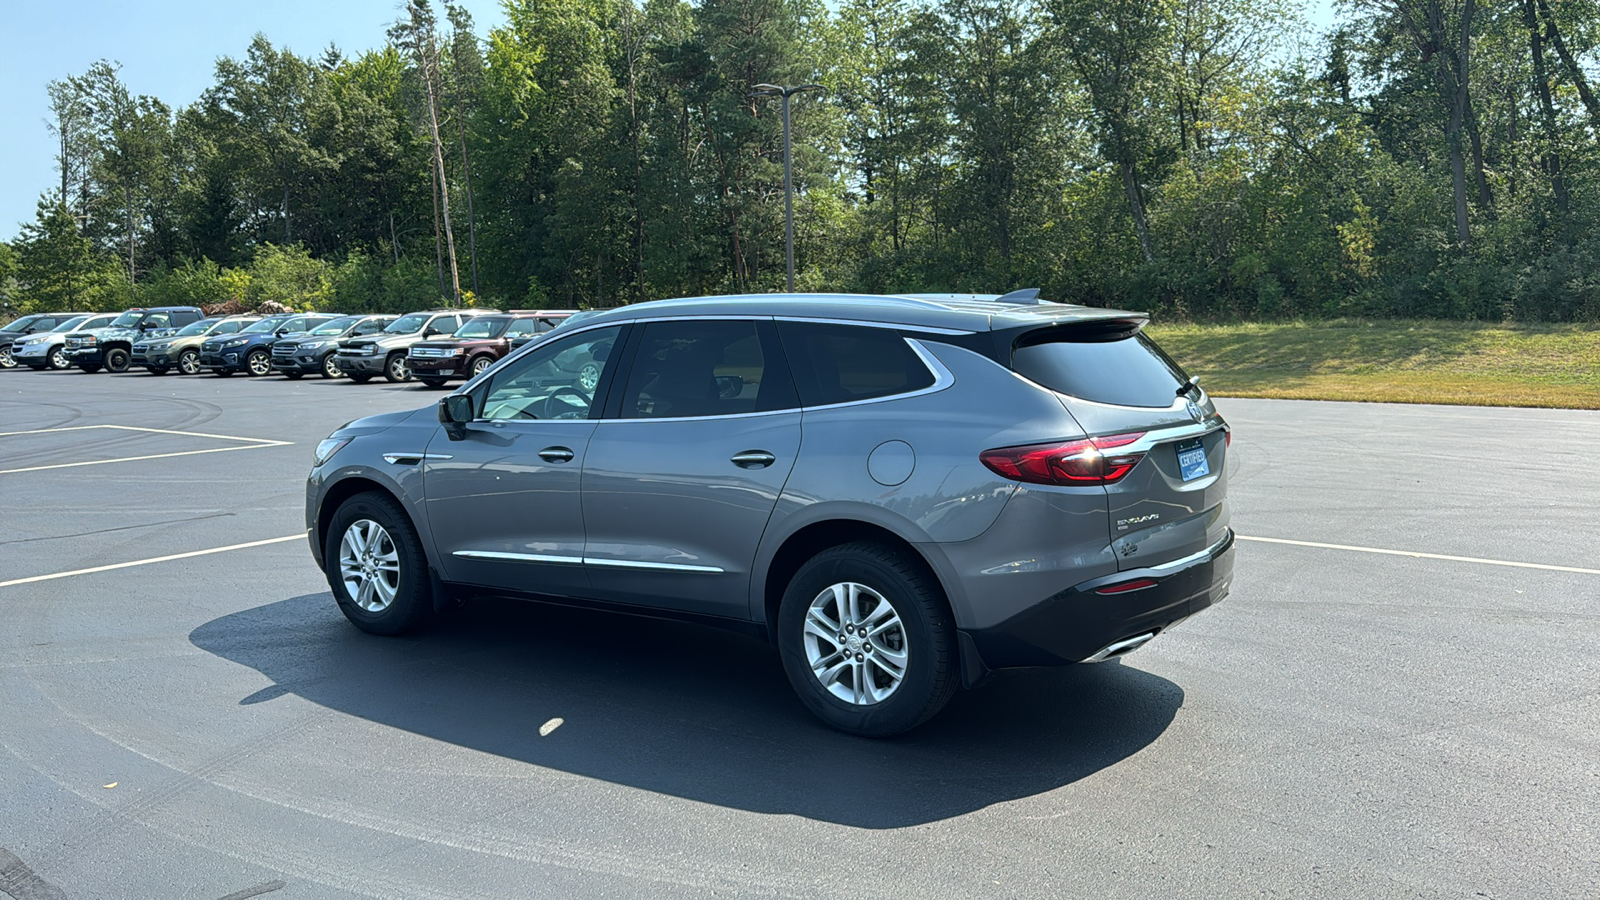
[(482, 328), (70, 324), (127, 320), (337, 326), (200, 327), (19, 324), (265, 326), (407, 324)]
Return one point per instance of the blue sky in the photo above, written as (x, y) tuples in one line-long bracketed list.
[(168, 49)]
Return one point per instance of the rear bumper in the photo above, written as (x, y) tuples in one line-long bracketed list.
[(1077, 624)]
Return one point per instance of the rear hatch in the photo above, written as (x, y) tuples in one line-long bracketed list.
[(1149, 419)]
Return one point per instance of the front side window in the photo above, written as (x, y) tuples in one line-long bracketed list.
[(481, 328), (556, 381), (127, 320), (204, 326), (699, 368), (156, 320), (407, 324), (20, 325), (371, 326), (229, 327), (70, 324), (847, 363)]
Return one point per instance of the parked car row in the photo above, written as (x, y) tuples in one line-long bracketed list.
[(433, 345)]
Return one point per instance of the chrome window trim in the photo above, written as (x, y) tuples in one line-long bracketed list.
[(942, 379), (504, 556)]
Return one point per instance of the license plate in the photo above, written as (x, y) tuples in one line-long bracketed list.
[(1192, 460)]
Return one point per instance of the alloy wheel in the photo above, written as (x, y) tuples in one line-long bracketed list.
[(589, 377), (58, 359), (7, 361), (189, 362), (330, 367), (369, 565), (855, 643), (259, 363)]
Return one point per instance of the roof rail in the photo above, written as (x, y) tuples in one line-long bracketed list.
[(1025, 297)]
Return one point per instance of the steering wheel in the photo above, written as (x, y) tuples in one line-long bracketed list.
[(570, 412)]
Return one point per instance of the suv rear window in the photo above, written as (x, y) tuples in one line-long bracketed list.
[(1099, 365), (844, 363)]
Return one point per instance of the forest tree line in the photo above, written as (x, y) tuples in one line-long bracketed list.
[(1207, 159)]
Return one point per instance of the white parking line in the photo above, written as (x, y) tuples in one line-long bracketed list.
[(252, 444), (155, 559), (1418, 555)]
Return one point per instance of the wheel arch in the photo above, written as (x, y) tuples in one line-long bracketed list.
[(338, 491)]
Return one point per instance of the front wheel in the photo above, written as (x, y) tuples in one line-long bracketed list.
[(397, 370), (189, 363), (258, 363), (58, 359), (867, 640), (330, 367), (481, 365), (7, 361), (117, 360), (376, 567)]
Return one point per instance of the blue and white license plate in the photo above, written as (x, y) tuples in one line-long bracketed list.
[(1192, 460)]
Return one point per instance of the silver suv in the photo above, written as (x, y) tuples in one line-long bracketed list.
[(901, 493)]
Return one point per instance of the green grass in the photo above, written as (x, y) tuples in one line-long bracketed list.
[(1390, 361)]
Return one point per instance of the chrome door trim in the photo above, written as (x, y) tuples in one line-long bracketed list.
[(653, 566), (520, 557)]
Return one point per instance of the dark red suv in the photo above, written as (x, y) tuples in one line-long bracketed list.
[(478, 344)]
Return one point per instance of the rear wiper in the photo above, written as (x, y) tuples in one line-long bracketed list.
[(1190, 388)]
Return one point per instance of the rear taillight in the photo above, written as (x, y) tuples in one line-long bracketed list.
[(1081, 462)]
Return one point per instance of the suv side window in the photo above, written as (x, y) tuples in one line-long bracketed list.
[(557, 381), (156, 320), (846, 363), (371, 326), (695, 368), (228, 327), (444, 325)]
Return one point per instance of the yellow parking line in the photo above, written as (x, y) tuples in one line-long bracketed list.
[(1419, 555), (156, 559)]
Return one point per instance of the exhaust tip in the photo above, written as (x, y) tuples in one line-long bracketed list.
[(1121, 648)]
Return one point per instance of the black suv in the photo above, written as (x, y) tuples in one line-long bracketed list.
[(112, 347)]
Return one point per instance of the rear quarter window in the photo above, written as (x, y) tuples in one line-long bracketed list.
[(1113, 368)]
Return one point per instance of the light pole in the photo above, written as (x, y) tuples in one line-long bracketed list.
[(773, 90)]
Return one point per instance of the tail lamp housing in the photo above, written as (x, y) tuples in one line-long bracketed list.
[(1078, 463)]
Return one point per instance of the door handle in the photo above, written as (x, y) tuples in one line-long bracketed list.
[(754, 459), (556, 454)]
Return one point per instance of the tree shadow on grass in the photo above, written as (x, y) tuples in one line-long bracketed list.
[(691, 711)]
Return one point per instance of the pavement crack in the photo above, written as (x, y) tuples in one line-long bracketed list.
[(266, 887), (58, 537)]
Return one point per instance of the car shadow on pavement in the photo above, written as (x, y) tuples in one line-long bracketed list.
[(692, 711)]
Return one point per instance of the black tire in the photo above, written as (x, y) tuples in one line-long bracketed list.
[(57, 360), (189, 362), (89, 368), (117, 360), (431, 381), (412, 606), (156, 370), (293, 375), (330, 367), (478, 365), (360, 377), (396, 370), (927, 628), (258, 363), (7, 361)]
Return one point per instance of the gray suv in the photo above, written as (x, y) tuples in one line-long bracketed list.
[(901, 493), (385, 353)]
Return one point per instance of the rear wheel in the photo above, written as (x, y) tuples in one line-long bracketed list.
[(258, 362), (397, 370), (156, 370), (330, 367), (58, 359), (189, 362), (867, 640), (376, 567), (117, 360)]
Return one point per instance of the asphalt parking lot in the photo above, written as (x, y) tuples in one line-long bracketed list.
[(1350, 722)]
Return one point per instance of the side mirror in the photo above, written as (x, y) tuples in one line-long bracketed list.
[(455, 411)]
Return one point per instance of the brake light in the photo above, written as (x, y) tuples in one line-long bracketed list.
[(1078, 463)]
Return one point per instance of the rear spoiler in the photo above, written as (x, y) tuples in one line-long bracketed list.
[(1097, 330)]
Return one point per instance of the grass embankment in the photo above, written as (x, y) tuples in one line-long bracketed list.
[(1394, 361)]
